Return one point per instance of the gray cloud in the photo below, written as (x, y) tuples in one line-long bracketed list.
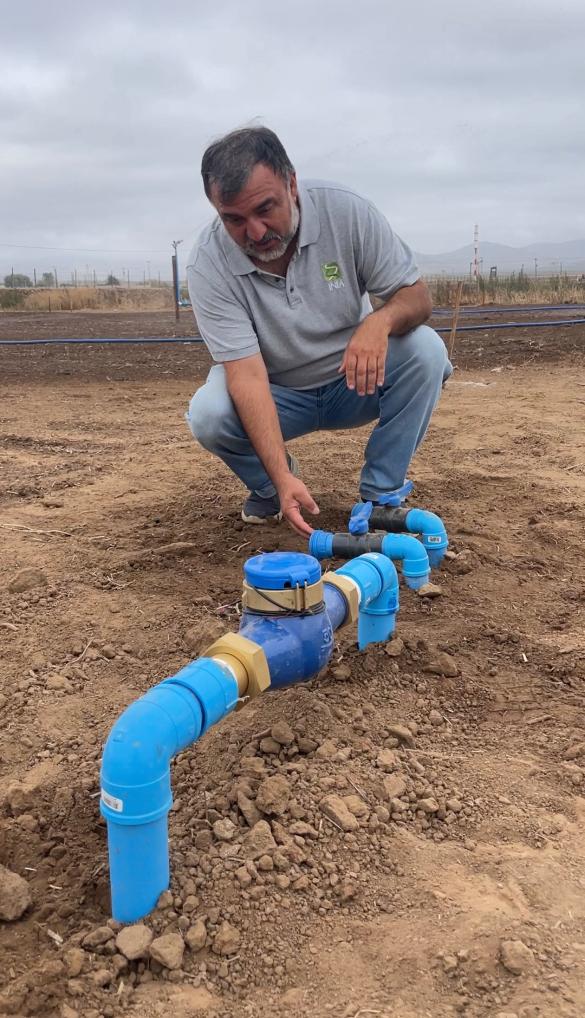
[(445, 114)]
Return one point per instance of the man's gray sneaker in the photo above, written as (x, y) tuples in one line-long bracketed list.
[(262, 508)]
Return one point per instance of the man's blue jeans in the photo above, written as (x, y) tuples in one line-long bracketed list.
[(416, 367)]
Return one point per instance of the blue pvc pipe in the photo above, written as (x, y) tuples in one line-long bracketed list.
[(335, 604), (135, 777), (432, 534)]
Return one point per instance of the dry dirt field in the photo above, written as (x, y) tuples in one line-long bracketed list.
[(461, 890)]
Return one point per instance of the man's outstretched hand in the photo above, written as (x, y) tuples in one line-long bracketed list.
[(364, 360), (294, 497)]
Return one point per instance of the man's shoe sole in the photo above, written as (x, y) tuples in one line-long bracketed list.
[(294, 468), (261, 519)]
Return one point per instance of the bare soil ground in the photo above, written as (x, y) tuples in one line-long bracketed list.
[(461, 889)]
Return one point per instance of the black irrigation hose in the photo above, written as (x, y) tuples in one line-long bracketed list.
[(513, 309), (486, 327)]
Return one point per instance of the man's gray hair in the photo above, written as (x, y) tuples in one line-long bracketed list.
[(228, 163)]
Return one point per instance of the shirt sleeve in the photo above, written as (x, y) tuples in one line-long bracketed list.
[(385, 262), (223, 321)]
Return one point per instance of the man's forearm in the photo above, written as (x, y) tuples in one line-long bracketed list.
[(409, 307), (253, 401)]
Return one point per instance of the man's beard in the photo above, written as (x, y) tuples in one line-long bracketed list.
[(254, 251)]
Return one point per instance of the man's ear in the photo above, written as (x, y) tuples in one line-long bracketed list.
[(294, 190)]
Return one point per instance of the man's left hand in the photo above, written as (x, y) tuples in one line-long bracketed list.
[(364, 360)]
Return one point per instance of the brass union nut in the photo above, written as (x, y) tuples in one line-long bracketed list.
[(350, 592), (249, 655)]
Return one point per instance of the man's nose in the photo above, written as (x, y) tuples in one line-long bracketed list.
[(255, 229)]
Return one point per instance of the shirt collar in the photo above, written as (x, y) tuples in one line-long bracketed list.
[(309, 231)]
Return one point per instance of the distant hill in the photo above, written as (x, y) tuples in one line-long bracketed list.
[(569, 255)]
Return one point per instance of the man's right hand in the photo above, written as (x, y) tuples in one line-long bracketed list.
[(295, 496)]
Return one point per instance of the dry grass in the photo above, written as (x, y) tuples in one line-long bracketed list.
[(84, 298)]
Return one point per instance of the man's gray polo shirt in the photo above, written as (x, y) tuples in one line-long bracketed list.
[(302, 324)]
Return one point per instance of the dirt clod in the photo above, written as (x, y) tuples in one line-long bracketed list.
[(15, 896)]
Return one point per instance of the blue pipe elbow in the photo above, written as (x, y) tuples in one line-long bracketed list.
[(432, 531), (415, 560), (377, 579), (135, 778)]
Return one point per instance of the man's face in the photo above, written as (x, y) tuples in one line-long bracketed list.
[(264, 217)]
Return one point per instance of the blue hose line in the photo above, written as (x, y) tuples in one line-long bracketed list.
[(377, 579), (335, 605), (415, 559), (296, 646), (432, 534), (92, 340), (135, 778)]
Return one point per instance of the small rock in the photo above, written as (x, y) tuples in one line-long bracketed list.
[(335, 808), (326, 751), (265, 863), (108, 651), (394, 786), (258, 841), (50, 502), (454, 805), (26, 579), (302, 883), (273, 795), (59, 682), (516, 957), (450, 963), (395, 647), (356, 805), (168, 950), (436, 718), (347, 891), (166, 898), (68, 1012), (248, 810), (386, 760), (402, 733), (97, 937), (227, 940), (430, 590), (243, 876), (306, 745), (282, 881), (224, 830), (74, 960), (196, 936), (282, 733), (15, 896), (270, 746), (574, 751), (429, 805), (102, 978), (442, 664), (303, 829), (341, 672), (133, 941)]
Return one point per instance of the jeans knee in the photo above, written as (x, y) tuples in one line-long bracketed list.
[(425, 348), (204, 421)]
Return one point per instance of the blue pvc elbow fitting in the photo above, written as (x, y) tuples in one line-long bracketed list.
[(377, 580), (135, 778), (415, 560), (432, 532)]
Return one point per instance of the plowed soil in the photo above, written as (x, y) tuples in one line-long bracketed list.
[(459, 748)]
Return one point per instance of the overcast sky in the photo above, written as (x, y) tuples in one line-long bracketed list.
[(444, 113)]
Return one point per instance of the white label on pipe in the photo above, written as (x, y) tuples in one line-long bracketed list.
[(112, 802)]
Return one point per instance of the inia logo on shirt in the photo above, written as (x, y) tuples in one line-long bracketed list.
[(332, 275)]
